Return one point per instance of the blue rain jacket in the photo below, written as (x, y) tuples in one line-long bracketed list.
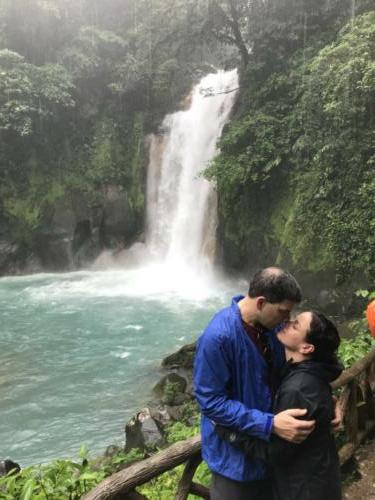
[(231, 387)]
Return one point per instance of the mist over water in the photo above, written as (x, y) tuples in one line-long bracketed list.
[(79, 352)]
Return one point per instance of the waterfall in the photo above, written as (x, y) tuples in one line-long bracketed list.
[(181, 204), (179, 250)]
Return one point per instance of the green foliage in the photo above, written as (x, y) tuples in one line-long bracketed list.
[(170, 391), (136, 163), (63, 479), (366, 294), (254, 164), (362, 342), (116, 157), (351, 350), (164, 487), (29, 92), (337, 191), (105, 162), (300, 155), (93, 56), (26, 205), (180, 431), (163, 80)]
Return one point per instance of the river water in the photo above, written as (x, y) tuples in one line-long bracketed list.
[(80, 352)]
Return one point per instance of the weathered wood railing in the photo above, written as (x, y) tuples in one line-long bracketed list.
[(357, 403), (357, 385)]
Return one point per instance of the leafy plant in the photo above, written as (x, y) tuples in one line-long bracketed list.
[(63, 479), (351, 350), (299, 153)]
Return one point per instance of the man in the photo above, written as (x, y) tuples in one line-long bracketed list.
[(235, 374)]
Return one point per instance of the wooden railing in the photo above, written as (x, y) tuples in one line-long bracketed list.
[(356, 399), (357, 385)]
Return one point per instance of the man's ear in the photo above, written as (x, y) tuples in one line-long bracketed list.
[(260, 301), (307, 349)]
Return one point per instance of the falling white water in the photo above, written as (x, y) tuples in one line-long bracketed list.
[(178, 255), (181, 204)]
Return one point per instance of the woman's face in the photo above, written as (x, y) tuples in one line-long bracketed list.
[(293, 335)]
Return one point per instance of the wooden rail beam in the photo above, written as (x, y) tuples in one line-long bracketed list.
[(200, 491), (352, 372), (116, 486)]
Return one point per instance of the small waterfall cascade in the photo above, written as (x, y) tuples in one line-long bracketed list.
[(181, 204)]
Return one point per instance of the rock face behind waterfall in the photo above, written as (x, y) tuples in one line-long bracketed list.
[(73, 234)]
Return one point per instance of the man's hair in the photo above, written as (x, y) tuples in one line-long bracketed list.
[(276, 285), (323, 335)]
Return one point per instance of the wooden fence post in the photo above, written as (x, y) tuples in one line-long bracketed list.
[(184, 485), (351, 417)]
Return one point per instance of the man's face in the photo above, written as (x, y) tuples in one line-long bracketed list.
[(293, 335), (271, 315)]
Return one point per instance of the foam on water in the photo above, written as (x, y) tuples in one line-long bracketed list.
[(156, 281)]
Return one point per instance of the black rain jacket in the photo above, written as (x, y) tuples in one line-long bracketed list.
[(310, 470)]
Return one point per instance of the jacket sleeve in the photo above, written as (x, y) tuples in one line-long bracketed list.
[(280, 450), (212, 379)]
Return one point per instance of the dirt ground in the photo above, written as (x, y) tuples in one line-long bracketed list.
[(361, 482)]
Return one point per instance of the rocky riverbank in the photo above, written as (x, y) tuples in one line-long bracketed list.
[(172, 401)]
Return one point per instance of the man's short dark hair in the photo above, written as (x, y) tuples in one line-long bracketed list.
[(276, 285), (323, 335)]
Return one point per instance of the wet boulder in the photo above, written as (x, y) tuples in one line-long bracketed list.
[(171, 389), (118, 224), (183, 358), (142, 432), (7, 466), (17, 259), (161, 416)]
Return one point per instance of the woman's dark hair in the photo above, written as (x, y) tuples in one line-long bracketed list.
[(323, 335)]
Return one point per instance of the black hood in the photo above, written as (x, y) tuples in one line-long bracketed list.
[(326, 371)]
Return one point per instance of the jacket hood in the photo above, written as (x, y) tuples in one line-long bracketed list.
[(326, 371)]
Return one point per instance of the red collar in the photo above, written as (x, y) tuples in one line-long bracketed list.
[(256, 334)]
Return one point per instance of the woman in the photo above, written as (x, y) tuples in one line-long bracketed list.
[(310, 470)]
